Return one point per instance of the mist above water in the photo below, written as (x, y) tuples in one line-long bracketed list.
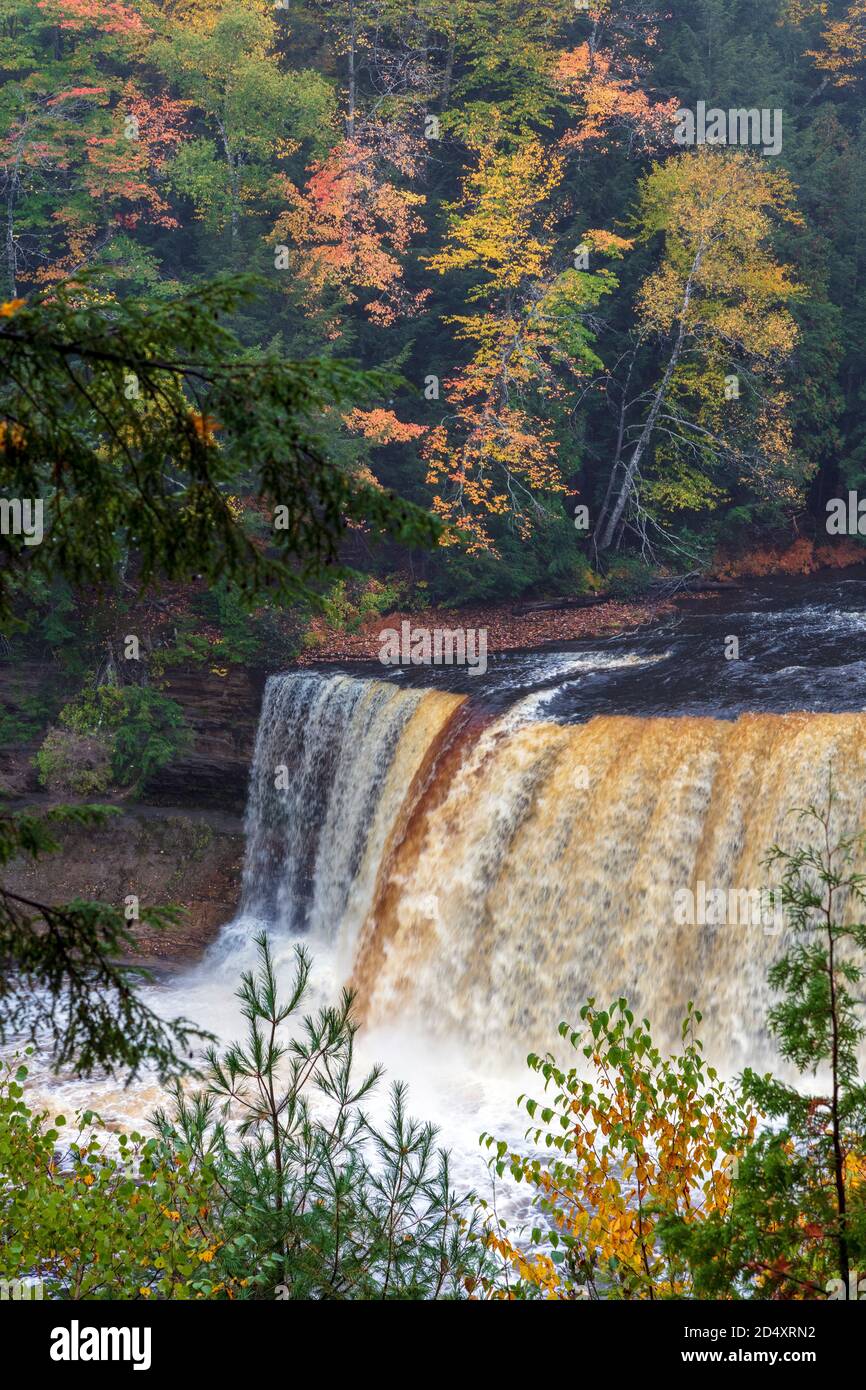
[(477, 865)]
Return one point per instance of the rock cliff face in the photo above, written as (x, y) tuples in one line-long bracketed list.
[(223, 712), (181, 841), (189, 858)]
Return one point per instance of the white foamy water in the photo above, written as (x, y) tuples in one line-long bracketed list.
[(477, 878), (461, 1098)]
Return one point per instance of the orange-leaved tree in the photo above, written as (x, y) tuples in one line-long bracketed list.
[(607, 80), (495, 452), (353, 221)]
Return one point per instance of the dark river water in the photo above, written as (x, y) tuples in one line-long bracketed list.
[(801, 645)]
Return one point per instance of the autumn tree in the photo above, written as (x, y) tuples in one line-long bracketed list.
[(499, 75), (843, 49), (112, 1220), (606, 81), (348, 228), (495, 452), (623, 1141), (81, 143), (257, 113), (718, 305)]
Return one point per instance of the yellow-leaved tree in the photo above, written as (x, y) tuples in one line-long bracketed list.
[(844, 47), (717, 304), (623, 1143), (495, 452)]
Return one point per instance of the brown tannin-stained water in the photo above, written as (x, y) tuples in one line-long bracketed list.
[(478, 855)]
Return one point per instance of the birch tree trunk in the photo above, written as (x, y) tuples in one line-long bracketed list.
[(610, 518)]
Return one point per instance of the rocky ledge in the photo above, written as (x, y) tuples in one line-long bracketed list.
[(180, 841), (161, 856)]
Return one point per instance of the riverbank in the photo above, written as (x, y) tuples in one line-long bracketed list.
[(520, 626), (507, 628), (160, 855)]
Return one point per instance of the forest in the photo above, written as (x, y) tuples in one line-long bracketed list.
[(599, 353), (320, 312)]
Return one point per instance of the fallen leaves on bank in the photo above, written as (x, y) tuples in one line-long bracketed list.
[(507, 630)]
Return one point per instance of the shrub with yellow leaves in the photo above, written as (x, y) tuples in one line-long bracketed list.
[(93, 1218), (631, 1139)]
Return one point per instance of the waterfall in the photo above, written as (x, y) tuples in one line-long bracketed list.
[(482, 877), (333, 762)]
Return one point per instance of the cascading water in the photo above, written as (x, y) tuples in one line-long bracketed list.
[(548, 870), (477, 864), (481, 879), (333, 766)]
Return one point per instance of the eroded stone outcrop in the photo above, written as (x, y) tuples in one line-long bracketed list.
[(179, 841)]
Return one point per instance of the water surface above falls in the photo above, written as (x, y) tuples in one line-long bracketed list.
[(802, 646), (477, 868)]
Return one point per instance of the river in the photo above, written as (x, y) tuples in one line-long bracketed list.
[(478, 855)]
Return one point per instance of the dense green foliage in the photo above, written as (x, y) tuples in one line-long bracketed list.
[(268, 1182), (485, 200), (139, 728), (93, 1221), (111, 421)]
